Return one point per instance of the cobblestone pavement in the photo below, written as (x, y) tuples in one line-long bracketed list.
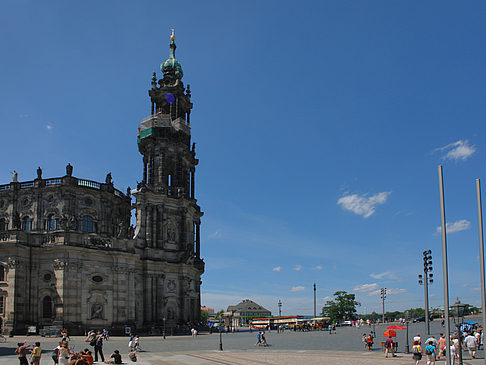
[(267, 357), (345, 347)]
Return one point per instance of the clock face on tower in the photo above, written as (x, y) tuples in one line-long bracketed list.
[(170, 98)]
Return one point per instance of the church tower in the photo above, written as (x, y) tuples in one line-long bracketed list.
[(168, 216)]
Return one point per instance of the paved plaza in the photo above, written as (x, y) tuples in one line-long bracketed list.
[(345, 347)]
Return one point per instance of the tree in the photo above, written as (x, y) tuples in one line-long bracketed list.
[(204, 316), (219, 314), (342, 307)]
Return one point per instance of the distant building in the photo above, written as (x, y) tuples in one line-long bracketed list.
[(210, 311), (241, 313)]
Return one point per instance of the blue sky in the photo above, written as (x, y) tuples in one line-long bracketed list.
[(319, 128)]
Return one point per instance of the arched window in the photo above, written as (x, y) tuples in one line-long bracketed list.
[(51, 223), (47, 307), (3, 224), (87, 225), (26, 224)]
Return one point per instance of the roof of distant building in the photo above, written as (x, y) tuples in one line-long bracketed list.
[(246, 306)]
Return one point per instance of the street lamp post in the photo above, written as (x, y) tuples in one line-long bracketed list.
[(314, 300), (425, 280), (383, 296), (220, 338), (164, 327), (407, 319), (279, 308), (458, 312)]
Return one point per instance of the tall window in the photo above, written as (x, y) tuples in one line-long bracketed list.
[(87, 224), (47, 307), (3, 273), (3, 224), (26, 224), (2, 304), (51, 223)]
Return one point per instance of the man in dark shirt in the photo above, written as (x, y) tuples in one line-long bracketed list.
[(98, 347), (21, 352), (115, 358)]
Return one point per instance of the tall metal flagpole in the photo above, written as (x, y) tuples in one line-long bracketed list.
[(444, 268), (481, 252)]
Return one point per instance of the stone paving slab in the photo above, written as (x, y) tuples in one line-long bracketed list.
[(270, 357)]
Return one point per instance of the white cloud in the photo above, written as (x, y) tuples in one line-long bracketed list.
[(278, 268), (298, 267), (460, 150), (384, 275), (363, 205), (318, 267), (365, 287), (49, 126), (461, 225), (393, 291), (297, 288), (215, 234)]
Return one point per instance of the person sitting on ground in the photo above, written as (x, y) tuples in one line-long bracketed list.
[(115, 358), (84, 358), (132, 355)]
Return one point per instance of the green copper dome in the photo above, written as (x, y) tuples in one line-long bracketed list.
[(171, 65)]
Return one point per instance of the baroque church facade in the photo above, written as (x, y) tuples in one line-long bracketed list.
[(68, 254)]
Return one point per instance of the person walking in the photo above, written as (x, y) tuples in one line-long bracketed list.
[(471, 344), (263, 339), (21, 352), (131, 342), (389, 347), (370, 342), (365, 341), (36, 354), (259, 339), (98, 347), (430, 352), (417, 352), (442, 346)]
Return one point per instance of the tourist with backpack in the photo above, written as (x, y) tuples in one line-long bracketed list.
[(389, 347), (430, 352), (417, 352)]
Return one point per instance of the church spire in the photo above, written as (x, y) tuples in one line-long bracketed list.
[(171, 68)]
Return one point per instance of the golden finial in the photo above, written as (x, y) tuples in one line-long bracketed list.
[(172, 36)]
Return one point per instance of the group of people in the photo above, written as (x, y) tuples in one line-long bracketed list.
[(368, 341), (435, 349), (35, 353), (261, 340)]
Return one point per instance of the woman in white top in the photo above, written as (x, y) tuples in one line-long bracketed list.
[(64, 353)]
